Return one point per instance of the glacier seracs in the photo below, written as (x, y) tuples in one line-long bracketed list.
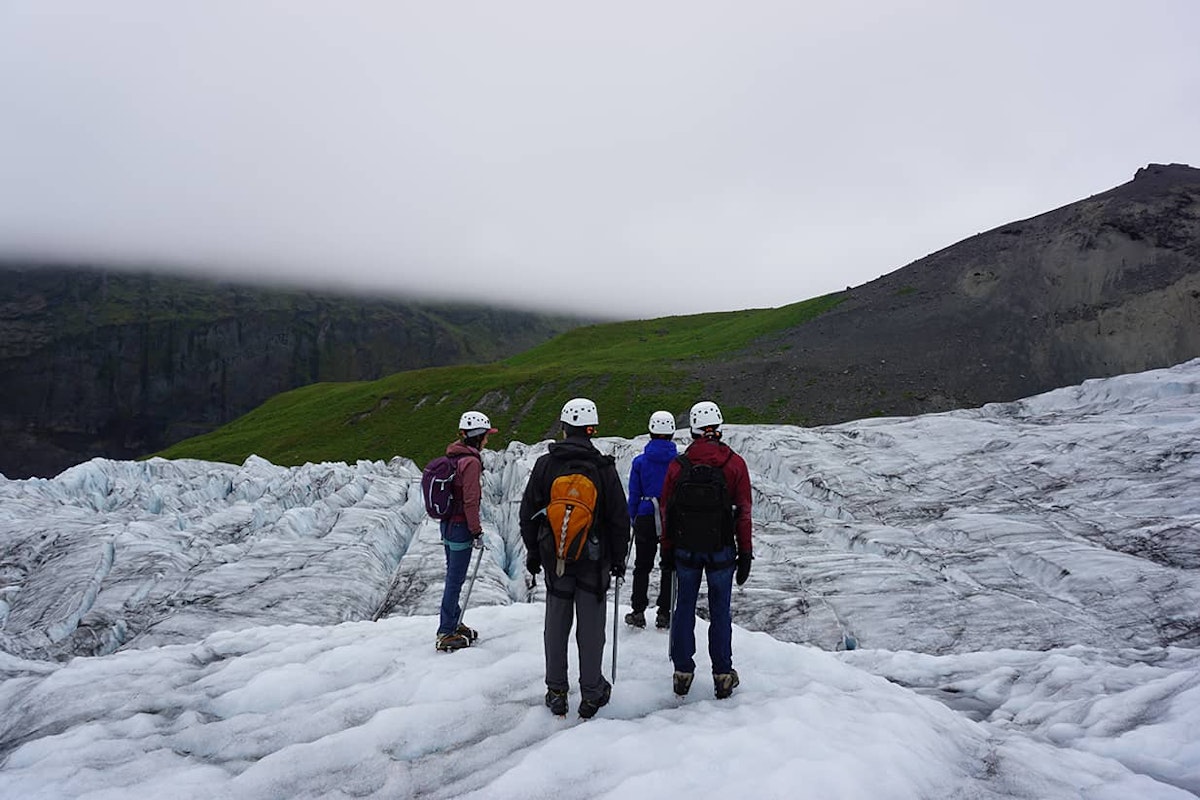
[(1028, 568)]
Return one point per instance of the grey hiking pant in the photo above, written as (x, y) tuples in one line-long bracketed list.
[(567, 602)]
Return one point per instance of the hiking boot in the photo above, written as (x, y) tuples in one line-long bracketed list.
[(449, 642), (663, 618), (636, 618), (470, 633), (556, 701), (682, 682), (724, 683), (588, 708)]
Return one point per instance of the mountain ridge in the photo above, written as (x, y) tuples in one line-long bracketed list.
[(1103, 286), (100, 362)]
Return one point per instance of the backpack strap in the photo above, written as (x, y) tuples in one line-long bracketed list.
[(459, 456)]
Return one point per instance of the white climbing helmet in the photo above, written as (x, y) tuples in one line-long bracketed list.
[(705, 414), (580, 412), (662, 422), (474, 423)]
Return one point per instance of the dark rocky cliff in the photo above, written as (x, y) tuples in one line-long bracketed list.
[(103, 363), (1104, 286)]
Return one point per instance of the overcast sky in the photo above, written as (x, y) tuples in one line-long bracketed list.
[(632, 159)]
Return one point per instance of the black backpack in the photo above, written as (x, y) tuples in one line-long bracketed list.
[(699, 512)]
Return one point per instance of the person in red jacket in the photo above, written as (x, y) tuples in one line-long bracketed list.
[(706, 532), (462, 530)]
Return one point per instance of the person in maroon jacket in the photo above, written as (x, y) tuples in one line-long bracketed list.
[(462, 530), (706, 532)]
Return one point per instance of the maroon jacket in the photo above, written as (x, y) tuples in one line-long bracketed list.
[(737, 480), (467, 478)]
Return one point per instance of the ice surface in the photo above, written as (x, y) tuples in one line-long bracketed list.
[(1021, 578)]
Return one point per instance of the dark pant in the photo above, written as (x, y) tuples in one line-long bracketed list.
[(456, 540), (645, 539), (689, 567), (567, 602)]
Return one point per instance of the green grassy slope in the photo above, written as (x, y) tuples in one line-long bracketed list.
[(630, 369)]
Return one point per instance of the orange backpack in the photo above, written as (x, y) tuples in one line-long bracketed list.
[(570, 513)]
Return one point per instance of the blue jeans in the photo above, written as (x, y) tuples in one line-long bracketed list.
[(689, 567), (456, 540)]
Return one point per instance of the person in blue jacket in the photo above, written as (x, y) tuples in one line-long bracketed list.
[(645, 486)]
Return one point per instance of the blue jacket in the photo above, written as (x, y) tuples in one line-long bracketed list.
[(647, 473)]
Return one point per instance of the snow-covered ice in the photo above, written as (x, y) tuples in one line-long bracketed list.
[(1022, 580)]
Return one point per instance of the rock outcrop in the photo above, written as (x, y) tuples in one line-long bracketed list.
[(1101, 287), (114, 364)]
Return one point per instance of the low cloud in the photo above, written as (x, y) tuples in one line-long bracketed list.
[(628, 160)]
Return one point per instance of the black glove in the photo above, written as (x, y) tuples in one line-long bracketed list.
[(666, 559), (743, 567), (533, 564), (477, 539), (618, 570)]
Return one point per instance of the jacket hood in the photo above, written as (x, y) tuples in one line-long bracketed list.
[(660, 450), (460, 449), (707, 451), (573, 446)]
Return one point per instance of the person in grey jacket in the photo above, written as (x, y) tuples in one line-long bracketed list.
[(577, 595)]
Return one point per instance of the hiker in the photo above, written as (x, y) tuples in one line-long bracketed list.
[(645, 487), (706, 531), (572, 475), (461, 528)]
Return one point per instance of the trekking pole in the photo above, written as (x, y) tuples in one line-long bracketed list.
[(616, 599), (674, 580), (463, 610), (671, 629)]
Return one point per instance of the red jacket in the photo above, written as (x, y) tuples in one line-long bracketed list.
[(737, 480), (467, 480)]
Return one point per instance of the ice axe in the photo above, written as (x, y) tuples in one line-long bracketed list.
[(463, 610), (616, 601), (671, 629), (674, 582)]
